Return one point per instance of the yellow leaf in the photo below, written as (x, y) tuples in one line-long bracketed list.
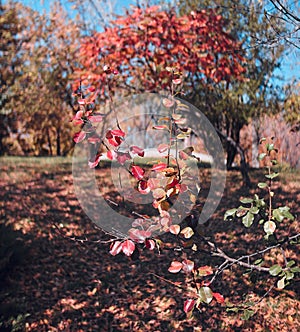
[(187, 232)]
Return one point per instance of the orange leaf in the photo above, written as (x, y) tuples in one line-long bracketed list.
[(204, 271), (219, 298), (174, 229), (175, 267)]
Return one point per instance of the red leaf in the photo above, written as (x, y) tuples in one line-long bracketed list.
[(183, 155), (159, 167), (110, 154), (91, 89), (138, 235), (109, 135), (80, 136), (137, 172), (176, 81), (175, 267), (135, 149), (154, 183), (116, 248), (162, 147), (77, 122), (114, 137), (143, 187), (172, 184), (115, 141), (219, 297), (186, 153), (150, 244), (122, 157), (117, 132), (93, 164), (182, 187), (78, 115), (128, 247), (189, 305)]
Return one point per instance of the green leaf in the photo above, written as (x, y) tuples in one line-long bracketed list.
[(249, 303), (290, 263), (261, 156), (270, 147), (275, 270), (259, 202), (246, 200), (262, 185), (280, 283), (248, 219), (205, 294), (295, 269), (289, 216), (254, 210), (284, 208), (289, 275), (258, 261), (269, 227), (281, 213), (234, 309), (272, 175), (247, 314), (230, 213), (277, 215)]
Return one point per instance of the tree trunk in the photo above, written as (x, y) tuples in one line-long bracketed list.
[(49, 142), (240, 151), (231, 153), (58, 148)]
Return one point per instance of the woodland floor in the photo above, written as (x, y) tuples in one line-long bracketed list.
[(51, 283)]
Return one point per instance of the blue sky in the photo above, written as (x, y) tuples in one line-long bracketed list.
[(290, 66)]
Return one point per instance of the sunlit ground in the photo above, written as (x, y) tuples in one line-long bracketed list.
[(50, 283)]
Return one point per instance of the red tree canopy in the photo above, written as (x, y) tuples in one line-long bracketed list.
[(142, 44)]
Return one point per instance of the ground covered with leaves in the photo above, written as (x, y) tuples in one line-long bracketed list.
[(51, 283)]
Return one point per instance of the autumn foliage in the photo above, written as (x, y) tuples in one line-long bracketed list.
[(142, 44)]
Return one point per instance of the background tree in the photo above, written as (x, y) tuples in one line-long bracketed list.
[(13, 35), (292, 105), (231, 105), (40, 95)]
